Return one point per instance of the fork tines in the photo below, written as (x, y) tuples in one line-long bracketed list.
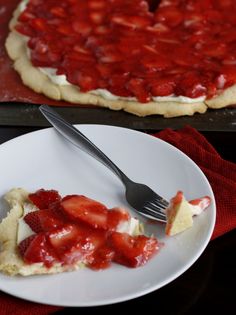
[(156, 208)]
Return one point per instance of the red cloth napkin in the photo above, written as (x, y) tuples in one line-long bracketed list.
[(221, 175)]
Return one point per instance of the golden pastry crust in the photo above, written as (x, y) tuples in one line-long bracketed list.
[(226, 98), (10, 261), (40, 83)]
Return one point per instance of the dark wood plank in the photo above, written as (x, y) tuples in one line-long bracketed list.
[(20, 114)]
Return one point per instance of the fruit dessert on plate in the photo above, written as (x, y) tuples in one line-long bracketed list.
[(44, 233), (178, 59), (180, 212)]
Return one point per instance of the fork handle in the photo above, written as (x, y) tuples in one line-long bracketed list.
[(77, 138)]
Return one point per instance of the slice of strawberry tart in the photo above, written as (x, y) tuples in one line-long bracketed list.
[(180, 212), (44, 233)]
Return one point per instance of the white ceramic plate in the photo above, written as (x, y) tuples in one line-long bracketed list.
[(43, 159)]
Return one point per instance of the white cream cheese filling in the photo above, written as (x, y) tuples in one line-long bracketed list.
[(24, 229), (196, 210), (61, 80)]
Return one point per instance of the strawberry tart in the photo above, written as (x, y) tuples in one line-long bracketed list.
[(175, 59), (44, 233)]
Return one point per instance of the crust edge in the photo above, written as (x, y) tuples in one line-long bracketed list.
[(10, 262)]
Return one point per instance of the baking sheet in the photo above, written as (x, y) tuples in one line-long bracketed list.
[(20, 114)]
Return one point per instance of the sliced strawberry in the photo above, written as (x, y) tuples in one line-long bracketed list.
[(43, 220), (102, 258), (25, 29), (96, 4), (81, 50), (130, 46), (80, 56), (203, 202), (111, 57), (191, 86), (81, 208), (64, 237), (65, 29), (58, 12), (211, 90), (25, 16), (184, 57), (87, 82), (132, 251), (230, 59), (153, 63), (118, 80), (213, 16), (120, 91), (104, 70), (116, 216), (23, 245), (102, 30), (38, 24), (81, 27), (158, 28), (171, 16), (131, 22), (41, 47), (162, 86), (44, 198), (74, 243), (54, 57), (77, 252), (40, 251), (137, 87), (215, 49), (97, 17), (33, 220)]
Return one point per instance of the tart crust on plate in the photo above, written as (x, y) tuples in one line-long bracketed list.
[(40, 83), (10, 261)]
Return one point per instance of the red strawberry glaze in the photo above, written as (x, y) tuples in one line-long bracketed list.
[(125, 48), (177, 199), (132, 251), (79, 229), (203, 202)]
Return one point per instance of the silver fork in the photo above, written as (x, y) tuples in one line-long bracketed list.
[(142, 198)]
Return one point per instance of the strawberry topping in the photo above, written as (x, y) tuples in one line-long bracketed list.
[(23, 245), (43, 220), (132, 251), (203, 202), (44, 198), (86, 210), (79, 229), (40, 251), (177, 198), (149, 47)]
